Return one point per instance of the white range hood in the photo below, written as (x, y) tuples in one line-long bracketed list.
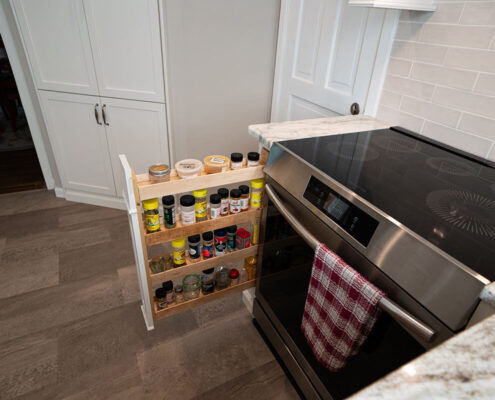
[(419, 5)]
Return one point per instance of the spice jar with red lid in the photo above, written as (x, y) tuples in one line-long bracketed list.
[(234, 277), (243, 239)]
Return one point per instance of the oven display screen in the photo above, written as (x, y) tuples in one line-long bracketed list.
[(349, 217)]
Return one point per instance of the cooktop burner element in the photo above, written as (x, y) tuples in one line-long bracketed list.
[(424, 186), (450, 166), (465, 210)]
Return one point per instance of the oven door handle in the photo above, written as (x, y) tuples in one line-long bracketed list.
[(404, 318)]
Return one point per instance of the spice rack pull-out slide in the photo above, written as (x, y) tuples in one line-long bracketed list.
[(138, 188)]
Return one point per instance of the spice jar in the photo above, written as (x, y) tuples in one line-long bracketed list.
[(169, 288), (167, 261), (194, 247), (220, 242), (214, 164), (151, 215), (250, 266), (222, 277), (179, 252), (224, 202), (179, 295), (169, 211), (160, 297), (208, 281), (231, 232), (256, 192), (243, 239), (155, 265), (207, 244), (188, 168), (159, 173), (190, 286), (234, 277), (253, 159), (244, 197), (201, 209), (235, 201), (236, 160), (187, 213), (215, 206)]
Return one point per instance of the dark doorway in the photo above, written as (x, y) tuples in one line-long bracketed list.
[(19, 166)]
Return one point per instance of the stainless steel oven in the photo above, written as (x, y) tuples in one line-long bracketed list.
[(305, 205)]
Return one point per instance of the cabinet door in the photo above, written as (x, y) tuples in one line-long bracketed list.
[(57, 42), (78, 141), (125, 37), (137, 129)]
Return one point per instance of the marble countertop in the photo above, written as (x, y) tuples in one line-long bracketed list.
[(266, 134), (460, 368)]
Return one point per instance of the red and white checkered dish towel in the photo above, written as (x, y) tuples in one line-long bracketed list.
[(341, 308)]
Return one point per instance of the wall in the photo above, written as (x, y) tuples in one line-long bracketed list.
[(441, 77), (220, 60)]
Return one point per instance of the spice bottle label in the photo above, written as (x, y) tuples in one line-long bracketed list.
[(194, 251), (217, 160), (201, 209), (220, 245), (169, 216), (224, 207), (179, 256), (256, 199), (244, 203), (188, 217), (207, 251), (215, 212), (252, 163), (152, 222), (235, 206)]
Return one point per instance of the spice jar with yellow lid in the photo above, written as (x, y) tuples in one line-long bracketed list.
[(179, 252), (151, 215), (250, 267), (200, 205), (257, 192)]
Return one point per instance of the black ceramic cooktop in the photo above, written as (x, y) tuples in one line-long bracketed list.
[(446, 197)]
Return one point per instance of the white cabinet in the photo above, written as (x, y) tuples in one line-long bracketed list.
[(100, 47), (88, 134), (78, 141), (57, 41), (137, 129), (125, 37)]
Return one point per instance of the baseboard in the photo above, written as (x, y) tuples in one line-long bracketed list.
[(59, 192), (248, 299), (94, 199)]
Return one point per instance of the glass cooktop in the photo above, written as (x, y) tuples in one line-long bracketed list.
[(447, 198)]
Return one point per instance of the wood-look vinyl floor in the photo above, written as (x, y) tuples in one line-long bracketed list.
[(71, 325)]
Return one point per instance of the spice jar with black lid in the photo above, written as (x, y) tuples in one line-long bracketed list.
[(169, 211), (187, 212), (215, 206), (231, 234), (208, 281), (194, 247), (224, 202), (207, 244), (161, 300), (244, 197), (253, 159), (235, 201), (169, 288), (236, 160)]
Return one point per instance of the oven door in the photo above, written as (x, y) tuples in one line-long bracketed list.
[(285, 269)]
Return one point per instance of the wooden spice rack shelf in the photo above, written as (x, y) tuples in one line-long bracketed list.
[(139, 188), (202, 299), (202, 264), (180, 231), (149, 190)]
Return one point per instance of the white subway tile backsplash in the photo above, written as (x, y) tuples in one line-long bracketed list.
[(457, 35), (444, 76), (390, 99), (480, 126), (472, 144), (419, 52), (465, 101), (486, 84), (399, 67), (409, 87), (396, 117), (477, 13), (473, 59), (448, 92), (429, 111)]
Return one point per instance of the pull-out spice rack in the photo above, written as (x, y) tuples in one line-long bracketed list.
[(138, 188)]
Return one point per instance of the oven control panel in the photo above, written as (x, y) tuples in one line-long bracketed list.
[(349, 217)]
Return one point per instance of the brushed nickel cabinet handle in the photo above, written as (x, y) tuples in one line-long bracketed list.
[(97, 116), (104, 114)]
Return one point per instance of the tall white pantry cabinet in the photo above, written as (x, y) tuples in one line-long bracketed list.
[(100, 80)]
